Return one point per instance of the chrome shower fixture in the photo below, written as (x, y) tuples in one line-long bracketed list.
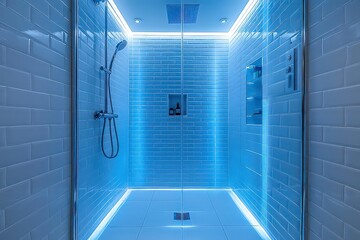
[(108, 114), (121, 45), (97, 2)]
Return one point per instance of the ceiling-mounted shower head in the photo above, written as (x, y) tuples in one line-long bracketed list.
[(97, 2), (121, 45)]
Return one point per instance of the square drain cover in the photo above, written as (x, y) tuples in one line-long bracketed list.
[(181, 216)]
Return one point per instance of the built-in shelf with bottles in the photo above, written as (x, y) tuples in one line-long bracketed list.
[(254, 93), (177, 105)]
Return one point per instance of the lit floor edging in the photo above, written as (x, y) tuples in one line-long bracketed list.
[(107, 219), (239, 204), (249, 216)]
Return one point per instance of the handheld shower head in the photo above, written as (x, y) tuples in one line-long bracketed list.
[(121, 45)]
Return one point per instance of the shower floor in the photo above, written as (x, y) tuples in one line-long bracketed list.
[(149, 215)]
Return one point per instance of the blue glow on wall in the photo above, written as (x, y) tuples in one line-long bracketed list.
[(189, 151)]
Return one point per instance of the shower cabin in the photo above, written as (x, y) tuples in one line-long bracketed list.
[(188, 119)]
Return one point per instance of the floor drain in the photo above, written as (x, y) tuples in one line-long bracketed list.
[(181, 216)]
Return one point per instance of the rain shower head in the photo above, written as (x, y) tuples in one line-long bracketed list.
[(121, 45), (97, 2)]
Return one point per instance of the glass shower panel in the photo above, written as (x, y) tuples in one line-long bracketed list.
[(205, 51), (205, 126), (156, 110), (283, 127), (155, 94), (266, 156), (101, 181)]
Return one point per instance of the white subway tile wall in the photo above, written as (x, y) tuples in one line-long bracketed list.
[(172, 151), (35, 87), (101, 181), (334, 120), (155, 72)]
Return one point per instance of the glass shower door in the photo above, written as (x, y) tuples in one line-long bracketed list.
[(156, 111), (266, 130), (254, 114), (283, 127), (205, 48)]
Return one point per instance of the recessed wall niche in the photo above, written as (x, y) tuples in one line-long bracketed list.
[(254, 93), (177, 105)]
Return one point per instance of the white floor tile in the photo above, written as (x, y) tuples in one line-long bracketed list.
[(120, 233), (161, 219), (204, 233), (198, 204), (195, 195), (167, 196), (138, 195), (233, 219), (241, 233), (131, 214), (204, 219), (160, 233), (167, 206)]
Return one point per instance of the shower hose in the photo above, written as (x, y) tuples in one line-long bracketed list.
[(112, 124)]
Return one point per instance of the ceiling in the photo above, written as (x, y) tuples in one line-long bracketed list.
[(154, 15)]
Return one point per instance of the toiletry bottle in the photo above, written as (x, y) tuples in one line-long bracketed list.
[(171, 112), (177, 109)]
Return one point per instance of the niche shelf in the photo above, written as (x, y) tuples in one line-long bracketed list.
[(254, 93), (173, 101)]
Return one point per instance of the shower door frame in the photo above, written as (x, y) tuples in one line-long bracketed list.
[(74, 118), (304, 120)]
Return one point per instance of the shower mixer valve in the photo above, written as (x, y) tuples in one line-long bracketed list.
[(102, 114), (290, 71)]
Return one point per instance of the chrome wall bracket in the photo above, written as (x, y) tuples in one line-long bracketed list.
[(107, 71)]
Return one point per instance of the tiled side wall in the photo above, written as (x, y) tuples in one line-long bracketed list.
[(158, 142), (334, 120), (265, 160), (35, 90), (101, 181)]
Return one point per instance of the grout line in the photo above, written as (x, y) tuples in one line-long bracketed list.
[(146, 214), (216, 212)]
